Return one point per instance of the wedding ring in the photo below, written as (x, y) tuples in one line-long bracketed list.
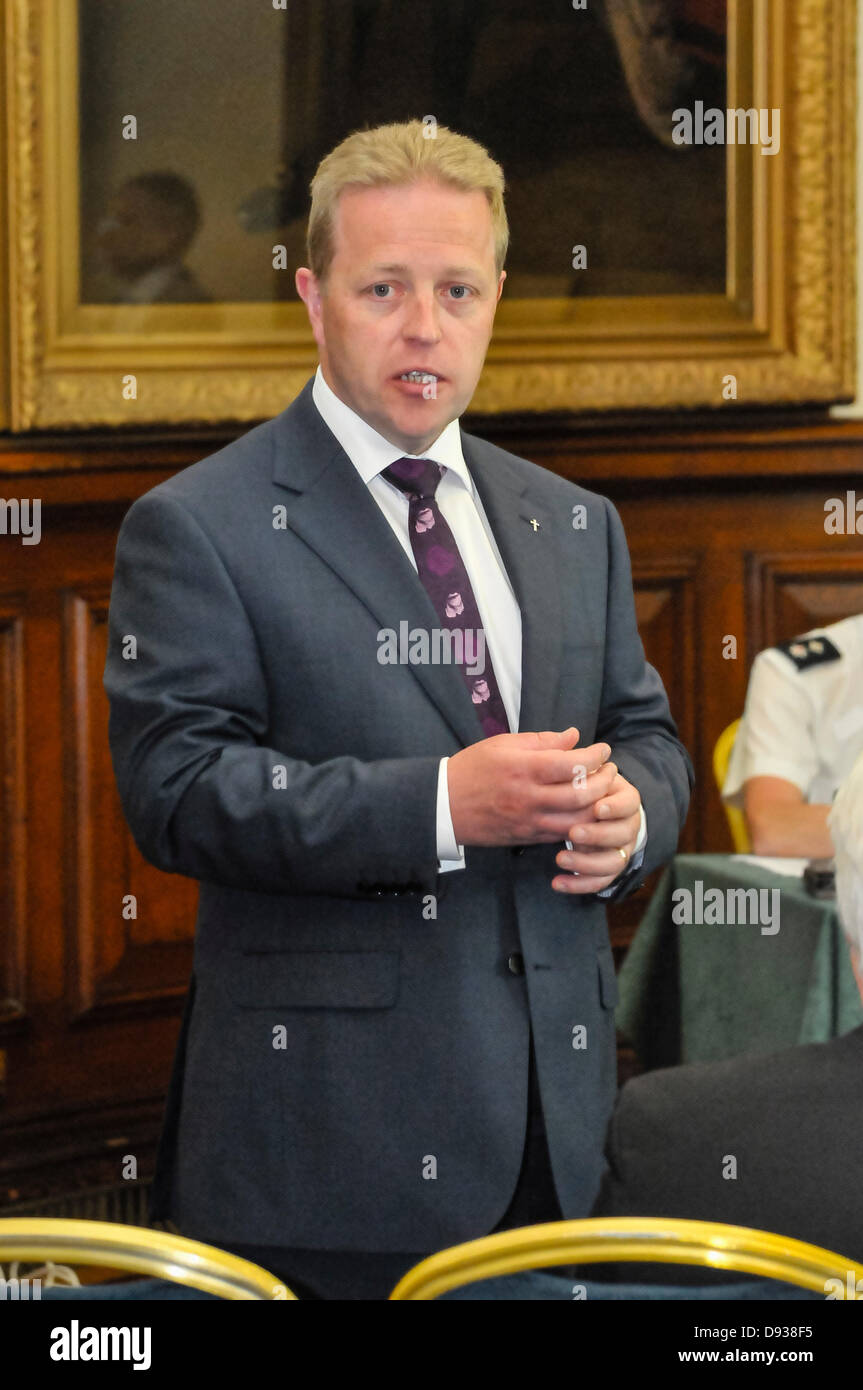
[(622, 853)]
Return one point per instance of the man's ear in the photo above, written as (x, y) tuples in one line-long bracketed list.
[(309, 290), (500, 285)]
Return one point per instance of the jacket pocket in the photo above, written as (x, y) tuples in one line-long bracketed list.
[(316, 979)]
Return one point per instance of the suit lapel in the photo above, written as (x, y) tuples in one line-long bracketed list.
[(336, 515), (530, 557)]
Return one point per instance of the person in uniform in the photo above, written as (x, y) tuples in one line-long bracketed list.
[(801, 731)]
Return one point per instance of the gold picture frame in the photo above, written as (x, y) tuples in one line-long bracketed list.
[(783, 329)]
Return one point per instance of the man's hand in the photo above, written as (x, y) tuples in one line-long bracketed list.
[(604, 836), (522, 789)]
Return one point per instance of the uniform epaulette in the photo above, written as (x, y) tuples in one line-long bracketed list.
[(809, 651)]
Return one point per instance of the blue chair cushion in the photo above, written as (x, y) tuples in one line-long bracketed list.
[(129, 1292), (537, 1286)]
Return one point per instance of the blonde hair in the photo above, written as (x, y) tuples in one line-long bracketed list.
[(396, 155)]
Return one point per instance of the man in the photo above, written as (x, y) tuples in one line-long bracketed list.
[(802, 729), (395, 955), (151, 224), (769, 1142)]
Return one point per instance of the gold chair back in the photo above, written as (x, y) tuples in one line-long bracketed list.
[(721, 759), (140, 1250), (630, 1239)]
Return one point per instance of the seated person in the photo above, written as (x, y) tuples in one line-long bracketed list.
[(763, 1141), (802, 729)]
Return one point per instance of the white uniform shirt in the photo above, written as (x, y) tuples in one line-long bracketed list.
[(803, 722)]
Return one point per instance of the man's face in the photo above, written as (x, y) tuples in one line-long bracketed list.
[(138, 233), (411, 286)]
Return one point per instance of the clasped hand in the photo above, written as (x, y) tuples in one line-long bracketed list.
[(535, 788)]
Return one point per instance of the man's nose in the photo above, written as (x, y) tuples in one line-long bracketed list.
[(422, 318)]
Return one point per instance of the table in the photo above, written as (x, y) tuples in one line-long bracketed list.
[(698, 991)]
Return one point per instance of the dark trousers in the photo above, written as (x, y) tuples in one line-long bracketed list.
[(354, 1274)]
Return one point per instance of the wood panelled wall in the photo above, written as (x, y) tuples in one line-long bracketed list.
[(727, 537)]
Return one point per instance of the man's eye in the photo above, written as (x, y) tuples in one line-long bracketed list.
[(375, 289), (460, 291)]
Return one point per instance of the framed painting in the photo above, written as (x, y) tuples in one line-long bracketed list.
[(680, 189)]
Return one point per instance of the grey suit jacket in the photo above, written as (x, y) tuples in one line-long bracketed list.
[(352, 1070), (791, 1121)]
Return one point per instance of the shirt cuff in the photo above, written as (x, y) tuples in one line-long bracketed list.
[(450, 853)]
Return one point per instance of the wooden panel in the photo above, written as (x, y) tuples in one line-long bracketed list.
[(792, 592), (665, 606), (129, 927), (87, 1067), (725, 529), (13, 811)]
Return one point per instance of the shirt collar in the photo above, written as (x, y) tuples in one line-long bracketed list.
[(369, 451), (147, 288)]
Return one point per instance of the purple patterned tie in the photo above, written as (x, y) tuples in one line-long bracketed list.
[(445, 579)]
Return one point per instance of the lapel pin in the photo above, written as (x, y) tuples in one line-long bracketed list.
[(534, 523)]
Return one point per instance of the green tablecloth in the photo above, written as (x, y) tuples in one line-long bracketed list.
[(699, 992)]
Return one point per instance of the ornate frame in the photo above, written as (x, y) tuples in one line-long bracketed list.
[(784, 328)]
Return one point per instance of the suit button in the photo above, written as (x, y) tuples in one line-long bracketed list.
[(515, 963)]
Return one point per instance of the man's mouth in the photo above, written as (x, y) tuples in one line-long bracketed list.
[(419, 376)]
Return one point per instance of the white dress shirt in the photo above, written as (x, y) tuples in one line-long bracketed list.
[(462, 507), (804, 724)]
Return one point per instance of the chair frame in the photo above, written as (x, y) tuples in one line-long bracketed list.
[(139, 1250), (734, 815), (619, 1239)]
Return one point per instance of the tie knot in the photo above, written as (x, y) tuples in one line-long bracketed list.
[(415, 477)]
